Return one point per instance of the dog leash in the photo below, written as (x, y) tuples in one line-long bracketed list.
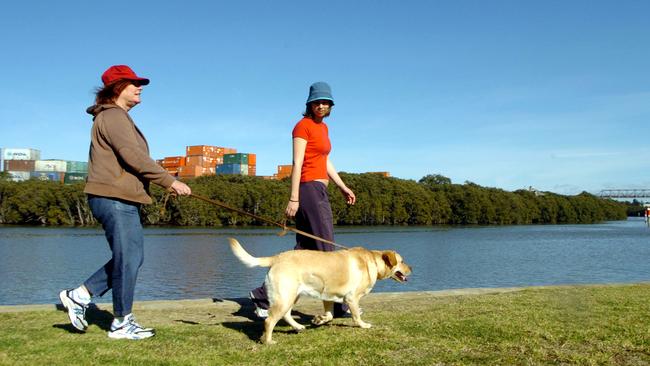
[(282, 225)]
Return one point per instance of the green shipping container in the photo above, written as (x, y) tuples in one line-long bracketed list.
[(71, 178), (76, 166), (238, 158)]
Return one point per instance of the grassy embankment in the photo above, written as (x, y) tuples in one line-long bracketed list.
[(551, 325)]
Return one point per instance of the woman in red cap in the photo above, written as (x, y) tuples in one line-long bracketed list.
[(119, 173), (312, 171)]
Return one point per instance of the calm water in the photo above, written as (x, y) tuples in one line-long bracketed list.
[(36, 263)]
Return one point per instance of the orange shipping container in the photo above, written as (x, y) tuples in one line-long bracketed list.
[(201, 160), (252, 159), (190, 171), (173, 161), (284, 169), (208, 150), (173, 171)]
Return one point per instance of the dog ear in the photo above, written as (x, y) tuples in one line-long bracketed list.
[(389, 258)]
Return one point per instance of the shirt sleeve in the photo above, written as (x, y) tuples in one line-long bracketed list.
[(301, 130)]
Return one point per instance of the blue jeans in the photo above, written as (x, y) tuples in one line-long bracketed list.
[(121, 223)]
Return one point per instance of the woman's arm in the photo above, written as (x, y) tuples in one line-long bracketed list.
[(350, 198), (299, 146)]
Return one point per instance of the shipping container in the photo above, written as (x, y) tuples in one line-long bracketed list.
[(20, 154), (252, 170), (238, 169), (201, 160), (172, 171), (285, 169), (18, 176), (252, 159), (50, 166), (173, 162), (76, 167), (47, 175), (74, 177), (19, 165), (238, 158), (208, 150), (190, 171)]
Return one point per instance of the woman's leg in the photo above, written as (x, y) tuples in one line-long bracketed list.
[(314, 216), (121, 223)]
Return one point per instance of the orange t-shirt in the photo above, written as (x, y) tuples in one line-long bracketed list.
[(314, 166)]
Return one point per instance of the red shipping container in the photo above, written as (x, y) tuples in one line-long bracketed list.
[(19, 165)]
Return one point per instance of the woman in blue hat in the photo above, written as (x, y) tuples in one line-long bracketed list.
[(311, 174)]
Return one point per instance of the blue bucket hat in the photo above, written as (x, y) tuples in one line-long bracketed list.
[(320, 90)]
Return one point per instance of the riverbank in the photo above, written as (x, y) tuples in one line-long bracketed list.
[(600, 324)]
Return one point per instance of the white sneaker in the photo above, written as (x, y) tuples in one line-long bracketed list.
[(129, 329), (76, 307), (261, 313)]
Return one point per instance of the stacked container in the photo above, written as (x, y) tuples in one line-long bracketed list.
[(76, 172), (48, 175), (252, 164), (203, 160), (283, 171), (20, 154), (19, 162), (53, 170), (238, 163), (172, 164)]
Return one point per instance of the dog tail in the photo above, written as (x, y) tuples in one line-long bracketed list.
[(246, 258)]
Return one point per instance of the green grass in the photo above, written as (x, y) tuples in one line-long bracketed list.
[(587, 325)]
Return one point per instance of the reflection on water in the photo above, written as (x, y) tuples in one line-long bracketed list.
[(36, 263)]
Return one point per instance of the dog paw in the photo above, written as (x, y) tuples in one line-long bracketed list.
[(321, 319), (267, 341), (365, 325), (299, 328)]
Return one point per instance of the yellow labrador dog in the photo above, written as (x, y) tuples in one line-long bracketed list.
[(339, 276)]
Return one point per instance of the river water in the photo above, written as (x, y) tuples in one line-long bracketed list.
[(181, 263)]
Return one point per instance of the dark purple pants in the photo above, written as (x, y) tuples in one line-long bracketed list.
[(314, 216)]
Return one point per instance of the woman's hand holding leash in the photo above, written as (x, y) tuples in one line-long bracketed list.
[(181, 188)]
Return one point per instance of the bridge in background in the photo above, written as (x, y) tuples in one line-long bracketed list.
[(640, 194)]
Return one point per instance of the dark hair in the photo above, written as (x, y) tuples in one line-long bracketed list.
[(109, 93), (309, 114)]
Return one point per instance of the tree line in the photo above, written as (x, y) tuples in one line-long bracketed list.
[(433, 200)]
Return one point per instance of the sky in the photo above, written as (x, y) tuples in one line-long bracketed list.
[(553, 95)]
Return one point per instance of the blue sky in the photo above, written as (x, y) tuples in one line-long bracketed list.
[(506, 94)]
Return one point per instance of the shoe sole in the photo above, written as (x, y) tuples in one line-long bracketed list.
[(130, 337), (69, 306)]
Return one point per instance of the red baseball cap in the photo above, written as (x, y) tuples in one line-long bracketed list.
[(121, 72)]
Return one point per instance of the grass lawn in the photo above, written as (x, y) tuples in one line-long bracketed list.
[(587, 325)]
